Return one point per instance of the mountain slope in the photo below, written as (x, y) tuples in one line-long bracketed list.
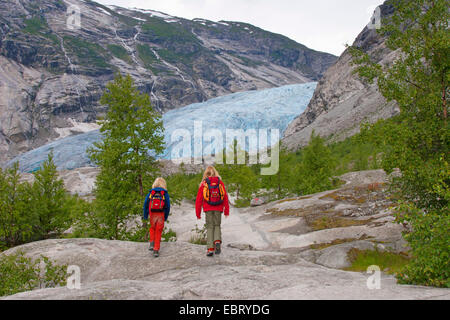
[(51, 73), (342, 101)]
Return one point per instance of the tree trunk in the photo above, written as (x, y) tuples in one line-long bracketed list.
[(444, 98), (141, 188)]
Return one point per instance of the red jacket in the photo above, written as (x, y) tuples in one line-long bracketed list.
[(200, 203)]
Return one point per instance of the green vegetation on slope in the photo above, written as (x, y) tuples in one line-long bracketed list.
[(38, 26), (35, 25), (88, 53), (148, 57), (120, 52), (169, 32), (310, 170)]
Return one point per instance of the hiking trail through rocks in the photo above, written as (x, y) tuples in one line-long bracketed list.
[(289, 249)]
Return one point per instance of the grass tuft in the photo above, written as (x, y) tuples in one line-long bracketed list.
[(388, 262)]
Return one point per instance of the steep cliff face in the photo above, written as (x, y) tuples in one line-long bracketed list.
[(53, 73), (342, 101)]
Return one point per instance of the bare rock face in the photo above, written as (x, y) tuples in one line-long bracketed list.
[(342, 101), (125, 270), (280, 250), (52, 72)]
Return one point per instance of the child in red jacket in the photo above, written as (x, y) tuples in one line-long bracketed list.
[(213, 198)]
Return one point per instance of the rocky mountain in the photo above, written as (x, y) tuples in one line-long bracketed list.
[(54, 65), (342, 101)]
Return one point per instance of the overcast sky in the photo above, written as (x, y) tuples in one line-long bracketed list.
[(324, 25)]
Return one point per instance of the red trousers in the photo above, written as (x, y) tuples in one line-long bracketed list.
[(156, 228)]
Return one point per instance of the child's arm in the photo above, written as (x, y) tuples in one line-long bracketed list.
[(199, 202), (226, 211), (146, 207), (167, 208)]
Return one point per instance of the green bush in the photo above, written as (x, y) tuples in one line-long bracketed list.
[(200, 236), (17, 217), (183, 186), (49, 202), (430, 243), (19, 273), (168, 235), (390, 262), (30, 212)]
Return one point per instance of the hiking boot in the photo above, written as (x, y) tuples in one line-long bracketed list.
[(152, 244), (156, 253), (217, 247), (210, 252)]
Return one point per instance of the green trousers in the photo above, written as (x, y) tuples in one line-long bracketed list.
[(213, 232)]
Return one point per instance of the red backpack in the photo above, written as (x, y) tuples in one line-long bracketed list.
[(213, 192), (157, 201)]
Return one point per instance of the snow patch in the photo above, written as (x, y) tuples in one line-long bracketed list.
[(104, 11), (112, 7), (153, 13)]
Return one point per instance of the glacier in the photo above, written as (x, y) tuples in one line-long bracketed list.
[(270, 108)]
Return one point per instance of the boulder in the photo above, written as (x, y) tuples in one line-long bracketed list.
[(256, 202)]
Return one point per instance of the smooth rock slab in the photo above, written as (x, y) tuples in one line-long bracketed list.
[(337, 256), (126, 270)]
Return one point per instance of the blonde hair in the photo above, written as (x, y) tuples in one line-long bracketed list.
[(210, 172), (159, 183)]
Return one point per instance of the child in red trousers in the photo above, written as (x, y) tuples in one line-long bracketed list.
[(213, 199), (157, 206)]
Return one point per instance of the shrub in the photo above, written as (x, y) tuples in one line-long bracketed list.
[(200, 236), (430, 244), (19, 273)]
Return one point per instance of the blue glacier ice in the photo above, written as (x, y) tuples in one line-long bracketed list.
[(271, 108)]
